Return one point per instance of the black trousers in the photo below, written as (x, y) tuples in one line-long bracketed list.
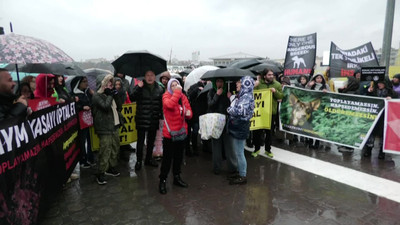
[(172, 154), (151, 136), (258, 135)]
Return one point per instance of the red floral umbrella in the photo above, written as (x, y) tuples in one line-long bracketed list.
[(22, 49)]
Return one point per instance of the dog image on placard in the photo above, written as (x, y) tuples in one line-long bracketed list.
[(302, 111), (298, 61)]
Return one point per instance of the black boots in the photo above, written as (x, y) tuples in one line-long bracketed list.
[(151, 162), (138, 166), (367, 152), (179, 182), (162, 187), (238, 180)]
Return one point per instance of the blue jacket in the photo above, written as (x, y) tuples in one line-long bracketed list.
[(241, 109)]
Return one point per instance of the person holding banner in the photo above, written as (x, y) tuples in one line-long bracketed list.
[(267, 81), (383, 91), (240, 112), (396, 83), (107, 119), (302, 81), (317, 82), (10, 105), (44, 86), (177, 110), (80, 89), (218, 102)]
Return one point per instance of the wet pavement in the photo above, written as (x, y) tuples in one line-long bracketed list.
[(275, 194)]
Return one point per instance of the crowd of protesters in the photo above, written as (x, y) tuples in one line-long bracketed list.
[(166, 101)]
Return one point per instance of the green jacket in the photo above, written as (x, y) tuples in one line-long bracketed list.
[(103, 117), (275, 96)]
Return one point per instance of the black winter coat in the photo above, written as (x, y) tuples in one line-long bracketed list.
[(197, 104), (85, 99), (148, 106), (10, 110), (217, 103)]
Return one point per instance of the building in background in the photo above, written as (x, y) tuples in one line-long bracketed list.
[(225, 60), (196, 57), (393, 55)]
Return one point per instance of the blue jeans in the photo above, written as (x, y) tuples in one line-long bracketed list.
[(238, 147), (218, 145)]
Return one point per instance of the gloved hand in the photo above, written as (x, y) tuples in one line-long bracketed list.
[(114, 92), (107, 91)]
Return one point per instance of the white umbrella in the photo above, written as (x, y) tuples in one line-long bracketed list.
[(196, 74)]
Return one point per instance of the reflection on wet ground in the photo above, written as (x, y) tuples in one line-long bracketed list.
[(275, 194)]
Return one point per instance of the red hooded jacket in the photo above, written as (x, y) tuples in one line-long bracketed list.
[(41, 86), (173, 111)]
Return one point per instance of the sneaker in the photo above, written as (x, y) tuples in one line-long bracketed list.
[(269, 154), (112, 172), (74, 176), (101, 179), (255, 153), (85, 165), (92, 164), (238, 180), (346, 150)]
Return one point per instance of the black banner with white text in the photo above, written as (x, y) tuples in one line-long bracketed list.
[(37, 155), (300, 55), (343, 63)]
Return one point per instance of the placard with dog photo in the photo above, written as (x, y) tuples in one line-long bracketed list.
[(300, 55), (342, 119)]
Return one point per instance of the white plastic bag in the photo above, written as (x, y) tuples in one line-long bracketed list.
[(211, 125)]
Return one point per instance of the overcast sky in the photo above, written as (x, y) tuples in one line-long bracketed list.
[(107, 28)]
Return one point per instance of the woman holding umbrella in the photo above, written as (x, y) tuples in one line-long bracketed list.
[(176, 110)]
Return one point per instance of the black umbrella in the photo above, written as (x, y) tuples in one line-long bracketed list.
[(93, 73), (185, 72), (53, 68), (136, 63), (231, 74), (244, 63), (274, 66), (206, 89)]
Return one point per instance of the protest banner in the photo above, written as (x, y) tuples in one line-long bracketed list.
[(343, 63), (37, 155), (300, 55), (127, 133), (342, 119), (391, 138), (375, 74), (262, 111), (41, 103), (85, 119)]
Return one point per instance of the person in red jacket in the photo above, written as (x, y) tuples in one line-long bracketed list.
[(176, 109)]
